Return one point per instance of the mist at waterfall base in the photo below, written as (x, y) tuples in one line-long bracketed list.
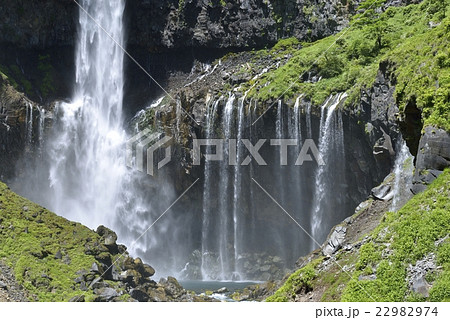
[(230, 229)]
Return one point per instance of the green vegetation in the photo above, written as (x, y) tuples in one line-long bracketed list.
[(378, 270), (45, 74), (31, 237), (298, 281), (413, 41), (412, 233)]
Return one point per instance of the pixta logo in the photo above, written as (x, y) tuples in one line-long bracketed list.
[(144, 146)]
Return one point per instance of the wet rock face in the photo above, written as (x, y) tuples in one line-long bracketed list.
[(12, 118)]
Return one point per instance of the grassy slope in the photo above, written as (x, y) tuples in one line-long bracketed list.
[(401, 239), (30, 236), (401, 36)]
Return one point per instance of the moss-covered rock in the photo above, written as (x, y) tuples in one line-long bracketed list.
[(55, 259)]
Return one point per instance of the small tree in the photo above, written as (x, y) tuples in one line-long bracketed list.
[(378, 31)]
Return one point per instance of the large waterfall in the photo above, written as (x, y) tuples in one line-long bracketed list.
[(82, 173), (87, 165), (228, 228), (244, 234)]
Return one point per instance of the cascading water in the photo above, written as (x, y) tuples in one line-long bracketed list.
[(308, 121), (237, 223), (29, 124), (242, 234), (331, 148), (207, 246), (84, 154), (403, 170), (296, 173), (224, 187), (87, 164), (41, 128)]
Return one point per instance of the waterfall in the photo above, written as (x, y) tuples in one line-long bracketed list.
[(237, 222), (280, 134), (308, 121), (241, 233), (87, 164), (29, 124), (295, 173), (41, 129), (330, 175), (222, 227), (403, 170), (224, 187), (207, 248)]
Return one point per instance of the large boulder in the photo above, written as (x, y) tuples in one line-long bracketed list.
[(433, 157)]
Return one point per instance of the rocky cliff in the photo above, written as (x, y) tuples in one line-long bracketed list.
[(166, 24)]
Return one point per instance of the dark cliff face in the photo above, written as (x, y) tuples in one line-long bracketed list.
[(15, 117), (245, 24), (158, 25), (165, 36), (38, 23)]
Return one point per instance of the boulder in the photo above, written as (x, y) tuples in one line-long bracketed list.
[(105, 294), (139, 295), (382, 192), (58, 255), (433, 156), (79, 279), (335, 241), (157, 295), (95, 268), (420, 286), (222, 290), (109, 237), (172, 288)]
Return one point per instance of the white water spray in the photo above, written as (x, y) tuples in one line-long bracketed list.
[(87, 164)]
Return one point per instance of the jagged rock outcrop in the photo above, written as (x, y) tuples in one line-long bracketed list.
[(232, 24), (13, 134), (164, 24), (433, 157)]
